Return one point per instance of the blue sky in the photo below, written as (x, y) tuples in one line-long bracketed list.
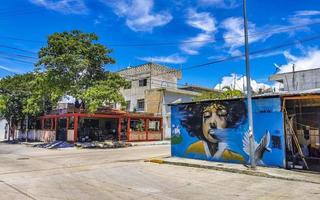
[(176, 33)]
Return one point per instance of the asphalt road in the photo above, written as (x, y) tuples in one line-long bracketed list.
[(34, 173)]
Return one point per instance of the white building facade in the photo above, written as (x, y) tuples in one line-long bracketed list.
[(153, 87)]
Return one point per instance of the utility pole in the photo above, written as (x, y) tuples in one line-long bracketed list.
[(249, 91)]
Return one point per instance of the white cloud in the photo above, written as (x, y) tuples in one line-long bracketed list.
[(304, 17), (234, 31), (307, 12), (266, 54), (203, 21), (192, 45), (139, 14), (63, 6), (98, 20), (252, 56), (9, 69), (226, 4), (239, 82), (233, 35), (173, 59), (309, 60)]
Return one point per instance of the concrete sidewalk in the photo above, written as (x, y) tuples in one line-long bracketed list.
[(151, 143), (267, 172), (147, 143)]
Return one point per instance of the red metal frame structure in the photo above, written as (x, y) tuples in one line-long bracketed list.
[(117, 116)]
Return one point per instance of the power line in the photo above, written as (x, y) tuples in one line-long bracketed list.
[(216, 39), (174, 43), (18, 49), (17, 55), (257, 52), (20, 39), (221, 60), (15, 59)]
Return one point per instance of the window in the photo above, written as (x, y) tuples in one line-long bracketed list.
[(154, 125), (137, 125), (143, 82), (140, 104)]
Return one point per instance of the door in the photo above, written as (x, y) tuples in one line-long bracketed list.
[(62, 129)]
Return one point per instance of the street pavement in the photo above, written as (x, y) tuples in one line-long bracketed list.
[(35, 173)]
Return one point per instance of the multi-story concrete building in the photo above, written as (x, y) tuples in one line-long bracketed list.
[(298, 80), (153, 87), (146, 77)]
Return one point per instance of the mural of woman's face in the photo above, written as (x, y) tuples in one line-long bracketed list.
[(214, 117)]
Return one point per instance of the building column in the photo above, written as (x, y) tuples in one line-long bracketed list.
[(56, 123), (51, 120), (119, 128), (67, 125), (128, 129), (75, 127), (161, 129), (146, 126), (42, 123)]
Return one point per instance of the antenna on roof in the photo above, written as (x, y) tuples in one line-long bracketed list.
[(277, 67)]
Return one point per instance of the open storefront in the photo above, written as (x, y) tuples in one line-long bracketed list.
[(302, 124), (82, 127)]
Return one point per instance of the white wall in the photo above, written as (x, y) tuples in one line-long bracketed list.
[(303, 80), (169, 98), (2, 129), (154, 80)]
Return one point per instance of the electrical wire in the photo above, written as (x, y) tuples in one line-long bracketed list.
[(225, 59), (18, 49), (18, 55), (257, 52), (15, 59), (175, 43)]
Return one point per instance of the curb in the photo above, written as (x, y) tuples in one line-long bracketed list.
[(237, 171), (150, 144)]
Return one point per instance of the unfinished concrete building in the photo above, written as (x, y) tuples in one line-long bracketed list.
[(298, 80)]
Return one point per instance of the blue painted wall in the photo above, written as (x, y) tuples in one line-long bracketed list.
[(217, 131)]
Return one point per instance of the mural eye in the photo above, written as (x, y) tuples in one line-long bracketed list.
[(222, 112), (207, 114)]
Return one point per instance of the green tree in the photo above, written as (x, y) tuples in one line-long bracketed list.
[(14, 93), (73, 63), (42, 95), (104, 92), (226, 94)]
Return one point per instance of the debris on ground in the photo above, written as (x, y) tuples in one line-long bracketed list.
[(55, 145), (108, 144), (11, 142)]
